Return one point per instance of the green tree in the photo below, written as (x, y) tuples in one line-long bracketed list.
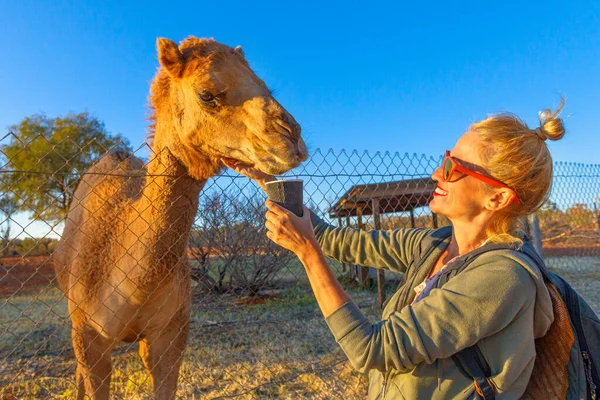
[(45, 158)]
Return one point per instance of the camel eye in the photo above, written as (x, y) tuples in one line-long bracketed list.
[(207, 98)]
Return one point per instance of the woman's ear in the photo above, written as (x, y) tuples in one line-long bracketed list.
[(500, 199)]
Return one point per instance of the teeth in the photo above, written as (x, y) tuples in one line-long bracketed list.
[(441, 191)]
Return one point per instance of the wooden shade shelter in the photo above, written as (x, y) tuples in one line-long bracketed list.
[(397, 196), (382, 198)]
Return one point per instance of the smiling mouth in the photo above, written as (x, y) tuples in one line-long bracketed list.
[(439, 191)]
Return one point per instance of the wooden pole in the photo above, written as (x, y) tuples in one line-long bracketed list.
[(412, 218), (340, 224), (352, 273), (364, 271), (536, 233), (434, 219), (380, 272)]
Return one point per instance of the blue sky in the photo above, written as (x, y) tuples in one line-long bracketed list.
[(398, 76)]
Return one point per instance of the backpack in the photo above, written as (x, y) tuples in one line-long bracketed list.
[(567, 357)]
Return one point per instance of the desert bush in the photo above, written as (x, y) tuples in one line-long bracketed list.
[(229, 246)]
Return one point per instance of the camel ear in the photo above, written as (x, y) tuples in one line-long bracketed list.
[(170, 57), (238, 49)]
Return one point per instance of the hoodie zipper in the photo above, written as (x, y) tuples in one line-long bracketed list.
[(588, 374), (403, 299), (382, 393)]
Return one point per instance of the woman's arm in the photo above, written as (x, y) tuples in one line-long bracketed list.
[(391, 250), (327, 290), (296, 234)]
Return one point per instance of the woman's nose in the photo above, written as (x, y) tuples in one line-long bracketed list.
[(437, 174)]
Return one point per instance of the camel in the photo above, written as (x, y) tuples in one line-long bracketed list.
[(121, 261)]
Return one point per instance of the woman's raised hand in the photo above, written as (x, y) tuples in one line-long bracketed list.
[(248, 171), (290, 231)]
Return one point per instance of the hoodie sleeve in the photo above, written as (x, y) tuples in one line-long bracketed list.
[(478, 303), (391, 250)]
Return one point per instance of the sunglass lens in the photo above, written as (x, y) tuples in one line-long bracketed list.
[(447, 168)]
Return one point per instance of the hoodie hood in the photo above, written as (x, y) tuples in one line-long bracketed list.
[(543, 311)]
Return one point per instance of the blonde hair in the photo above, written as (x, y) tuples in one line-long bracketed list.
[(518, 156)]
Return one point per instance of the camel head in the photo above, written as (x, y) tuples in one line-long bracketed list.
[(208, 105)]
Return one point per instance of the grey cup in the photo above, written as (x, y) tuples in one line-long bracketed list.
[(288, 194)]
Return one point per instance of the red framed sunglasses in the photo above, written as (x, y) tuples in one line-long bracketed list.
[(450, 165)]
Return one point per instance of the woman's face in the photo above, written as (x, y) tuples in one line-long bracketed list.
[(463, 197)]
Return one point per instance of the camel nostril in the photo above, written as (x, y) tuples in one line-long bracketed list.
[(296, 130), (291, 123), (285, 117)]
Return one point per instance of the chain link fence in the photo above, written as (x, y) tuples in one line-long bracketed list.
[(255, 330)]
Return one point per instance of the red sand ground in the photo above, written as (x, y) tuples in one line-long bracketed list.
[(24, 275)]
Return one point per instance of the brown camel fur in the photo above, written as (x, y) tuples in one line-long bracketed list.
[(122, 258)]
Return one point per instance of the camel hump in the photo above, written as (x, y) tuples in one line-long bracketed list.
[(105, 188), (118, 171), (116, 161)]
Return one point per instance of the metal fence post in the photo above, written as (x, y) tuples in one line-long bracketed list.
[(536, 233)]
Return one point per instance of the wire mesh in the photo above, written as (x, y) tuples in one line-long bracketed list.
[(254, 329)]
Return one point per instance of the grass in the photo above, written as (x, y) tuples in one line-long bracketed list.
[(281, 348), (278, 348)]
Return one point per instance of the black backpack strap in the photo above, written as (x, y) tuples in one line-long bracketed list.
[(472, 364)]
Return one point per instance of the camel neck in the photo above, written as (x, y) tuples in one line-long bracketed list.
[(167, 205)]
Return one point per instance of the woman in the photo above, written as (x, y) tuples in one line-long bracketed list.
[(498, 171)]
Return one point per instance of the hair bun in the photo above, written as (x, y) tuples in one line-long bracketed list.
[(540, 132), (551, 127)]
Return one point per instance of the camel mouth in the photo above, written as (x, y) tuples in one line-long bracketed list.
[(266, 167), (234, 161), (273, 157), (279, 167)]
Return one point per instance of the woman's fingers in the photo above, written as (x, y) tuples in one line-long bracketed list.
[(305, 215), (271, 216), (277, 209), (271, 227), (274, 207)]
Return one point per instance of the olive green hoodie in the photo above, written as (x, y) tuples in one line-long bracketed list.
[(499, 302)]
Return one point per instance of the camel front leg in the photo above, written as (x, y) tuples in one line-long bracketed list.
[(94, 367), (162, 354)]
